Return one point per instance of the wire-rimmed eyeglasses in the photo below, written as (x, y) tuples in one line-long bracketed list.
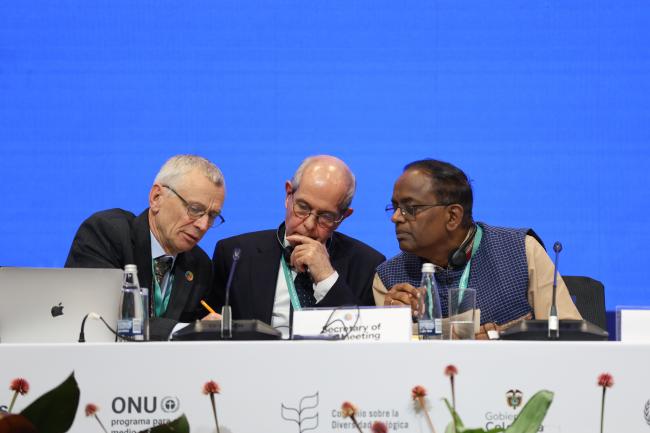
[(197, 210), (410, 210)]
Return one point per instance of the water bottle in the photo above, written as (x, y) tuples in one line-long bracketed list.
[(130, 322), (429, 313)]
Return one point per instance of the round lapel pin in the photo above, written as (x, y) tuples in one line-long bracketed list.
[(189, 276)]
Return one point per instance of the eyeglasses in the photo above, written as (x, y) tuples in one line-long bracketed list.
[(411, 210), (196, 210), (326, 220)]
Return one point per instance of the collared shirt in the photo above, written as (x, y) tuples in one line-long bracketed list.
[(282, 302), (158, 251)]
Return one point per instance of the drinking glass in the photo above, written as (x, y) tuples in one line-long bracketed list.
[(462, 311)]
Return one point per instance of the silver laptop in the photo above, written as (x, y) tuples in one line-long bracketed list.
[(47, 305)]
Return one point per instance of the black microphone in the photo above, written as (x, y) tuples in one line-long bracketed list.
[(226, 312), (553, 321)]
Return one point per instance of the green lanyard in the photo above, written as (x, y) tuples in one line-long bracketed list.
[(464, 278), (160, 304), (295, 302)]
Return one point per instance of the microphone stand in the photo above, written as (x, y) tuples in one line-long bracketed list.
[(226, 311), (553, 320), (250, 329), (572, 330)]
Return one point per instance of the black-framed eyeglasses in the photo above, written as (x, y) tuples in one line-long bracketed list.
[(411, 210), (197, 210), (326, 220)]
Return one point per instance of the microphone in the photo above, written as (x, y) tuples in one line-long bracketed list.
[(226, 312), (553, 321)]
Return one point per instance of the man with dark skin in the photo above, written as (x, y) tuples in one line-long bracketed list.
[(431, 208)]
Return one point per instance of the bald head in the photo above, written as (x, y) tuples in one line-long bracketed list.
[(329, 172), (318, 198)]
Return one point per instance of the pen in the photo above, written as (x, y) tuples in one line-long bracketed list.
[(207, 307)]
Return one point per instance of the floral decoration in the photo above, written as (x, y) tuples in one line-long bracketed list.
[(605, 380), (18, 386), (211, 388), (91, 410), (348, 410), (418, 394), (379, 427)]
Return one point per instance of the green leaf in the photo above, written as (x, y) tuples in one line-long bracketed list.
[(532, 414), (455, 418), (450, 429), (179, 425), (54, 411), (478, 430), (460, 428)]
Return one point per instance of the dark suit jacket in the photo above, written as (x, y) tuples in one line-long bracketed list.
[(114, 238), (253, 289)]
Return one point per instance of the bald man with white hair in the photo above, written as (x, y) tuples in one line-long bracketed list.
[(304, 262)]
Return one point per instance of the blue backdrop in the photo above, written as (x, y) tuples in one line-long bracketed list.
[(544, 104)]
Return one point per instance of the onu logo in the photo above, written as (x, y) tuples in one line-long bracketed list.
[(144, 404)]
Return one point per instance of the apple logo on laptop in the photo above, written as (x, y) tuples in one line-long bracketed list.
[(57, 310)]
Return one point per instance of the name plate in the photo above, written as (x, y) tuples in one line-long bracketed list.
[(381, 324), (633, 324)]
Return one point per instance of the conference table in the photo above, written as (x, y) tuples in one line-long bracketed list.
[(297, 386)]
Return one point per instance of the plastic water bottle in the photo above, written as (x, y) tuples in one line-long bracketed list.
[(429, 314), (130, 322)]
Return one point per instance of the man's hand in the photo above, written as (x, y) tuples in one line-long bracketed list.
[(403, 294), (309, 254), (212, 316)]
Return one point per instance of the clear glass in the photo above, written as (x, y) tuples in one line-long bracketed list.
[(462, 313), (145, 305)]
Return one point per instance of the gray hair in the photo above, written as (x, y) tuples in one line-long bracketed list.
[(349, 194), (178, 166)]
